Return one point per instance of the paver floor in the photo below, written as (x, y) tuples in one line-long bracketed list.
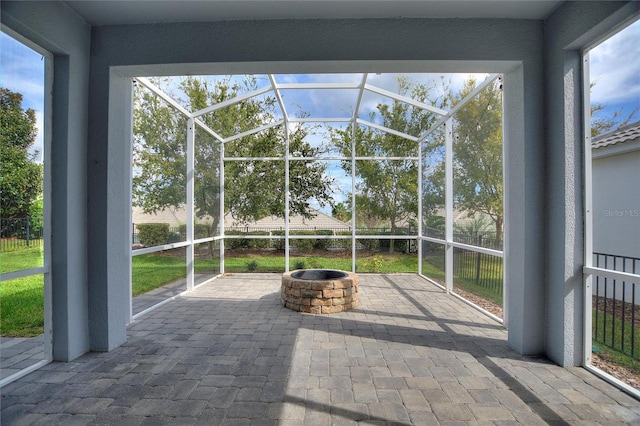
[(228, 353), (17, 353)]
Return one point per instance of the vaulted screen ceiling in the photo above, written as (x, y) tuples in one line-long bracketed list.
[(136, 12), (325, 98)]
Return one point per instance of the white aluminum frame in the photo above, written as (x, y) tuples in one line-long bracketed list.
[(448, 242), (588, 269), (45, 269), (446, 120)]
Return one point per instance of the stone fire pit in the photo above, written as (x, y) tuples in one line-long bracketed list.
[(319, 291)]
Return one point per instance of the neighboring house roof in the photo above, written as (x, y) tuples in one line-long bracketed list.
[(628, 133), (319, 221), (178, 216), (172, 216)]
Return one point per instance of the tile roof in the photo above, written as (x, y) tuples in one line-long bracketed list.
[(177, 216), (626, 133), (297, 222)]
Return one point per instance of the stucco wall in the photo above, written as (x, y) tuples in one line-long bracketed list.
[(616, 204), (399, 45), (572, 27), (56, 29)]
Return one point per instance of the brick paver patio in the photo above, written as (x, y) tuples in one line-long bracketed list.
[(228, 353)]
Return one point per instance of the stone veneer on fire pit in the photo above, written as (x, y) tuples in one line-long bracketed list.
[(319, 291)]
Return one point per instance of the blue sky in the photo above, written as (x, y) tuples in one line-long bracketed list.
[(22, 70), (615, 69)]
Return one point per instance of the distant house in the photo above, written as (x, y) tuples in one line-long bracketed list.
[(616, 192), (296, 222), (178, 216), (172, 216)]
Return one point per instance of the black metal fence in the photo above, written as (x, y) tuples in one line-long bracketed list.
[(486, 240), (616, 306), (478, 269), (18, 233), (479, 239)]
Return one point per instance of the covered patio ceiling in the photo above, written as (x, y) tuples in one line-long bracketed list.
[(142, 12)]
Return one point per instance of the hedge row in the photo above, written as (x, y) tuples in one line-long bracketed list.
[(155, 234)]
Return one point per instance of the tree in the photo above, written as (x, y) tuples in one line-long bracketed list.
[(601, 124), (254, 188), (387, 189), (21, 182), (477, 151), (341, 212)]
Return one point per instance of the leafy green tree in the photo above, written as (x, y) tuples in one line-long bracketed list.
[(254, 188), (477, 151), (387, 189), (21, 181), (341, 212)]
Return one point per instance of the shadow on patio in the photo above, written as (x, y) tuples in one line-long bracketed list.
[(229, 353)]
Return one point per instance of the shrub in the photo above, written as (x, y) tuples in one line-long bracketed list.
[(373, 264), (200, 230), (311, 243), (278, 243), (236, 243), (247, 243), (36, 213), (252, 265), (153, 234), (399, 246), (299, 264), (368, 244), (303, 245), (322, 243), (258, 243), (343, 244)]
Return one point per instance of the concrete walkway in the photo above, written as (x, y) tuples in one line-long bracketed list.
[(228, 353)]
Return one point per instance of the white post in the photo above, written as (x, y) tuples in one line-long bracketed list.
[(588, 211), (287, 158), (448, 190), (353, 196), (221, 213), (190, 192), (286, 198), (354, 126), (505, 223), (47, 201), (420, 221)]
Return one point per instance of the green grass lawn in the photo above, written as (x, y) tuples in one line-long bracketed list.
[(611, 347), (22, 299), (21, 259), (153, 270), (433, 267), (22, 307)]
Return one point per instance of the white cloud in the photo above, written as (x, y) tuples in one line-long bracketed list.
[(615, 68), (23, 72)]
